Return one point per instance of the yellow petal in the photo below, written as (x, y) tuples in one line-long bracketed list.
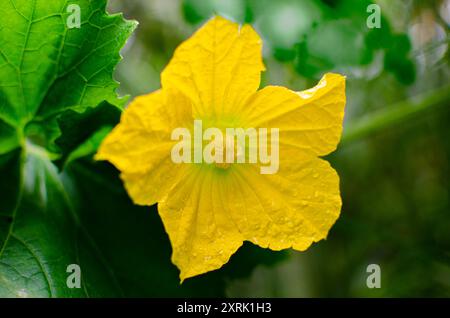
[(292, 208), (219, 67), (202, 234), (140, 145), (152, 186), (310, 120), (210, 212)]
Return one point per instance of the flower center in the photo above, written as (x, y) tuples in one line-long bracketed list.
[(230, 150)]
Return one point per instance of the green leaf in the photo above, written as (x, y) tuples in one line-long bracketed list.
[(52, 76), (47, 68), (89, 146), (78, 128), (9, 138), (41, 236)]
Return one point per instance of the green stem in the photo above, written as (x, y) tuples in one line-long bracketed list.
[(397, 114)]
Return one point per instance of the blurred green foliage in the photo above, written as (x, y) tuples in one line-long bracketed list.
[(316, 36), (394, 181)]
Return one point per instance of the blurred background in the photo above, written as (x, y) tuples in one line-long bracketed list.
[(394, 157)]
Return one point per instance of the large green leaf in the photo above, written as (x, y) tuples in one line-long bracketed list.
[(41, 235), (48, 72), (47, 68)]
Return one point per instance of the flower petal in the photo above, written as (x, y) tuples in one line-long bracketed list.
[(202, 234), (140, 145), (310, 120), (219, 67), (152, 186), (293, 208), (142, 138)]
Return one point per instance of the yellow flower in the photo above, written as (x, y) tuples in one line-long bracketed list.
[(208, 210)]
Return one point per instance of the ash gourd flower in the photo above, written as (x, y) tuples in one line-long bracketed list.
[(210, 209)]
